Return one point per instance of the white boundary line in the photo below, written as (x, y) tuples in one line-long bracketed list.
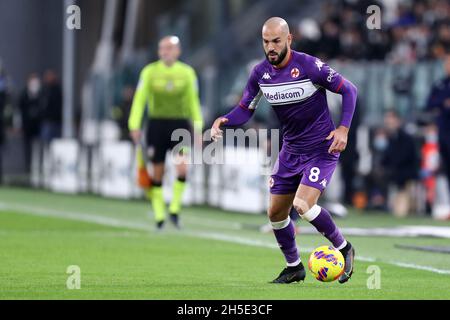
[(120, 223)]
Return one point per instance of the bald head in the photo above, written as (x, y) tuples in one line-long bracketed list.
[(169, 49), (170, 40), (277, 25), (276, 41)]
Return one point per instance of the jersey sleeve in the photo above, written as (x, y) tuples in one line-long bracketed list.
[(140, 100), (252, 93), (323, 75), (193, 101), (248, 103)]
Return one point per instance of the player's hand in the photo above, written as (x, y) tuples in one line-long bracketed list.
[(216, 132), (340, 136), (136, 136)]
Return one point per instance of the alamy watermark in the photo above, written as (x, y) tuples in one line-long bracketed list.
[(373, 22), (74, 279), (73, 20), (264, 140), (374, 279)]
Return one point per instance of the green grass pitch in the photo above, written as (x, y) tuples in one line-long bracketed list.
[(216, 255)]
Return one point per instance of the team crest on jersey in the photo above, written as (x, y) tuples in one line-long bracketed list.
[(295, 73)]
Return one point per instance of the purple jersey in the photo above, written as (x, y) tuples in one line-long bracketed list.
[(297, 93)]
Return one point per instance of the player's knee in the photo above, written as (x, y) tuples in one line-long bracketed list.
[(271, 213), (307, 211), (301, 206), (275, 214)]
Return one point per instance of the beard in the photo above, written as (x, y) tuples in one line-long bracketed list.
[(280, 55)]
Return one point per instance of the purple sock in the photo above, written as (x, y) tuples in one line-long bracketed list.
[(321, 219), (285, 234)]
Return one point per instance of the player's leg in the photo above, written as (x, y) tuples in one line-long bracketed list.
[(305, 203), (178, 189), (283, 228), (284, 231), (158, 143), (314, 180), (156, 194), (283, 185), (180, 152)]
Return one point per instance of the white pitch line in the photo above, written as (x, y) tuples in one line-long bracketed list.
[(120, 223), (418, 267), (231, 238), (76, 216), (213, 223)]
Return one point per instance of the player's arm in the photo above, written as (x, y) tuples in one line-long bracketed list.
[(323, 75), (193, 102), (140, 100), (242, 113)]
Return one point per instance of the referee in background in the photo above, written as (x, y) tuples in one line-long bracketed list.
[(169, 89)]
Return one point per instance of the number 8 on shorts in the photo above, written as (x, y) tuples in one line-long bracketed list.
[(314, 174)]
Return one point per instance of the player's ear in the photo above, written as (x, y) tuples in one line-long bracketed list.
[(289, 39)]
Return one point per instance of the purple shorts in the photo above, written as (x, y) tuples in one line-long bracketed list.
[(313, 169)]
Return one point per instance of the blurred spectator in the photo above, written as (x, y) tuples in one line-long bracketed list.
[(411, 31), (377, 179), (439, 104), (51, 108), (349, 159), (441, 43), (378, 45), (401, 162), (30, 110), (330, 45), (430, 165), (307, 36), (352, 44), (402, 49)]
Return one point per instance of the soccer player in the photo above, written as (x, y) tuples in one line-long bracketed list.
[(169, 88), (295, 84)]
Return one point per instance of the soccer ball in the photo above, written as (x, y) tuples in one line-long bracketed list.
[(326, 263)]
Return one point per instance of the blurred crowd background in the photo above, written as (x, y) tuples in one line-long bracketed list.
[(399, 150)]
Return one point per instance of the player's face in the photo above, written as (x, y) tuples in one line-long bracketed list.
[(275, 46), (276, 57), (168, 52)]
